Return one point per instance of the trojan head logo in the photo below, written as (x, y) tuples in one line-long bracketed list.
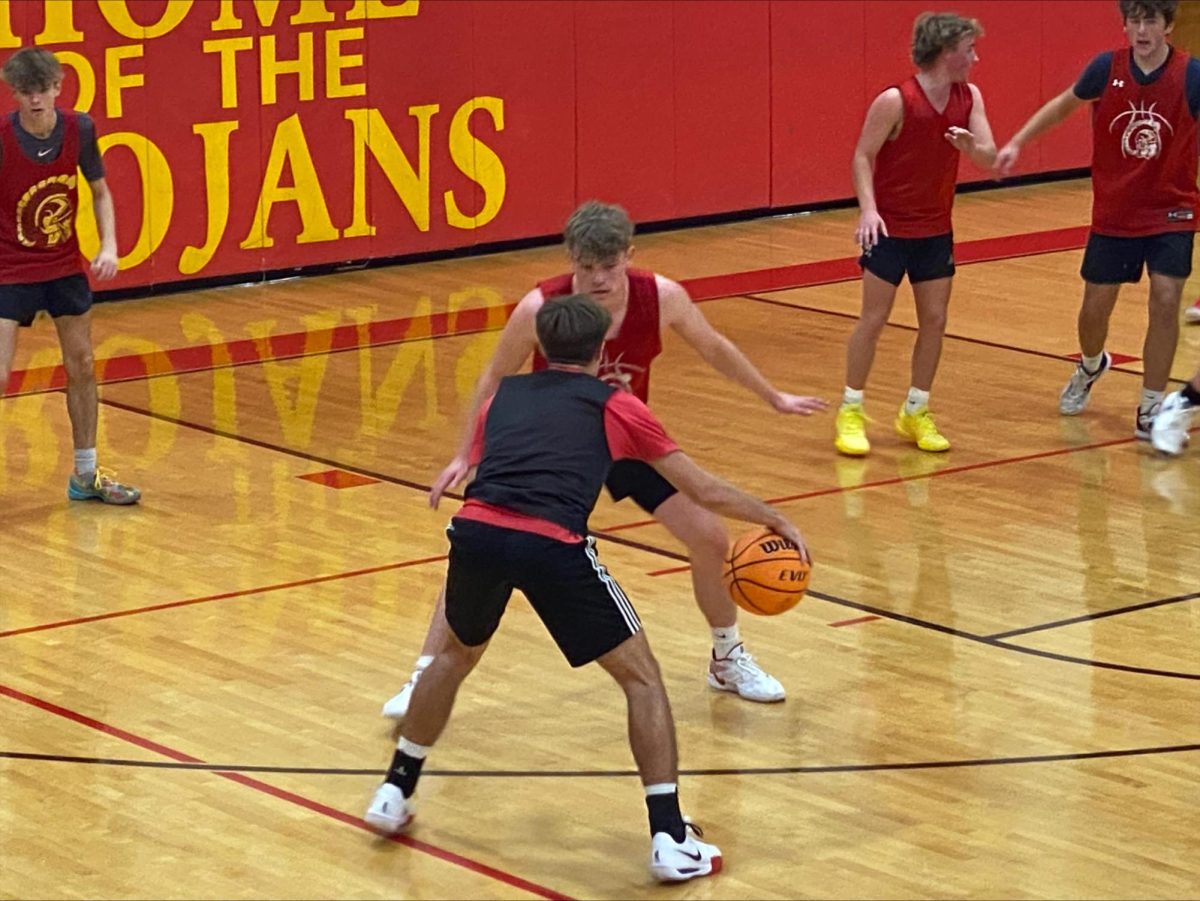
[(618, 373), (1142, 138), (46, 213)]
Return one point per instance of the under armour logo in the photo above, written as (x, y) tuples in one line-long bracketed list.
[(1118, 83)]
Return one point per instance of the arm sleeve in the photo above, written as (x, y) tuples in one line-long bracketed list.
[(89, 150), (632, 430), (1091, 83), (1192, 83), (476, 453)]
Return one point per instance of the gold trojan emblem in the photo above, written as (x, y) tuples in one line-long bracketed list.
[(45, 214)]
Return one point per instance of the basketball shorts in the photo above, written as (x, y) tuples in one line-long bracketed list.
[(581, 605), (68, 296), (1113, 261), (640, 481), (922, 259)]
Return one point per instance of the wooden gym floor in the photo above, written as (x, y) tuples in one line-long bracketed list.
[(993, 687)]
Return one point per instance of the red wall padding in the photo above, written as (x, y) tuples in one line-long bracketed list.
[(497, 118)]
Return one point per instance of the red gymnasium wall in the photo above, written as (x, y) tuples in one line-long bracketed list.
[(249, 135)]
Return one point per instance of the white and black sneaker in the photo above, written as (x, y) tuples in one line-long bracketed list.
[(1169, 429), (1075, 394), (1143, 420), (672, 861), (389, 811)]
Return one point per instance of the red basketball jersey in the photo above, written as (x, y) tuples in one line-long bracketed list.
[(1144, 152), (627, 355), (38, 202), (915, 174)]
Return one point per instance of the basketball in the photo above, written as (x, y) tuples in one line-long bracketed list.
[(765, 574)]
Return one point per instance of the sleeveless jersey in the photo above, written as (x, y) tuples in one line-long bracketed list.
[(915, 174), (628, 354), (1144, 152), (38, 203)]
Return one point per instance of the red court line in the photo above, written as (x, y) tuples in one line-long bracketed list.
[(855, 621), (284, 795), (245, 592), (825, 272), (351, 336)]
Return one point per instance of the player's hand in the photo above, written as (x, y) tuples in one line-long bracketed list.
[(870, 227), (787, 529), (961, 138), (456, 470), (104, 265), (794, 403), (1006, 159)]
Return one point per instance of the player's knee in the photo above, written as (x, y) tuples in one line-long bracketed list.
[(710, 539), (80, 365)]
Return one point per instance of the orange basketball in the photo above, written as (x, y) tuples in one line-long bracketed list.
[(765, 573)]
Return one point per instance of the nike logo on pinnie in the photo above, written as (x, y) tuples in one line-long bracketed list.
[(44, 152)]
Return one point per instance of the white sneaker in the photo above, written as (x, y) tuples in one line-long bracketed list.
[(1192, 313), (397, 706), (741, 674), (1075, 394), (1143, 420), (1169, 431), (672, 861), (389, 812)]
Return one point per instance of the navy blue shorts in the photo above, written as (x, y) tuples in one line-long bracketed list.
[(1114, 261), (68, 296), (922, 259)]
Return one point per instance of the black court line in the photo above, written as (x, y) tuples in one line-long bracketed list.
[(608, 774), (1088, 617), (996, 643)]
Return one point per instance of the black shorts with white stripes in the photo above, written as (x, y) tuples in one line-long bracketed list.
[(581, 605)]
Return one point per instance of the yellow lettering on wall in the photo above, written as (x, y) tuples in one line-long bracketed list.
[(411, 186), (118, 16), (335, 62), (270, 67), (115, 80), (85, 74), (478, 162), (59, 24), (216, 180), (198, 327), (290, 146), (228, 48), (311, 12), (158, 199), (382, 9)]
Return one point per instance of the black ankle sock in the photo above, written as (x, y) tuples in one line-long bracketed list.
[(665, 815), (404, 772), (1191, 394)]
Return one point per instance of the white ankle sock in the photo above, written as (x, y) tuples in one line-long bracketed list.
[(916, 400), (852, 395), (1092, 364), (412, 749), (1150, 399), (725, 641), (85, 461), (423, 662)]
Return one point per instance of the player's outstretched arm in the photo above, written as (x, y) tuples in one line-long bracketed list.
[(678, 311), (976, 140), (720, 497), (1054, 112)]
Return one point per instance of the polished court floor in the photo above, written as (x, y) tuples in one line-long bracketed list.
[(993, 684)]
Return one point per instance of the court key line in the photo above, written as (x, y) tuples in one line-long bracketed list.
[(586, 774), (284, 795), (351, 336)]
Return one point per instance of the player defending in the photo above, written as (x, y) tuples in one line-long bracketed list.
[(41, 148), (1145, 99), (599, 243), (543, 445), (905, 168)]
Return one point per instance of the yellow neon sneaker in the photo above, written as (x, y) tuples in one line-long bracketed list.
[(920, 428), (851, 428)]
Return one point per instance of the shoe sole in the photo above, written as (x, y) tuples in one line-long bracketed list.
[(386, 826), (851, 452), (75, 496), (667, 874), (732, 689)]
